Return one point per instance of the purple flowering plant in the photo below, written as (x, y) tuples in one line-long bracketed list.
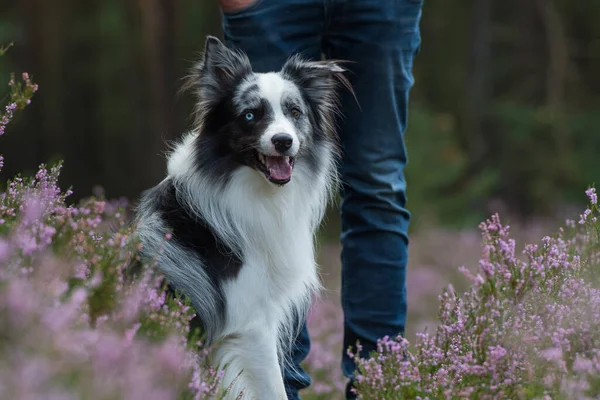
[(19, 97), (528, 328), (80, 315)]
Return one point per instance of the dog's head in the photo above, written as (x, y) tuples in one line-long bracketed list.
[(269, 122)]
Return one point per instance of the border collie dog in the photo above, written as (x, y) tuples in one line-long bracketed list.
[(245, 191)]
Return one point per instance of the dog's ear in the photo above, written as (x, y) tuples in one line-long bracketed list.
[(216, 72), (320, 79), (222, 65)]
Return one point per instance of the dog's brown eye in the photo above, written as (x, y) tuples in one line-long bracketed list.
[(296, 113)]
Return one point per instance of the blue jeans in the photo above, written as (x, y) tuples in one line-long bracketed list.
[(381, 38)]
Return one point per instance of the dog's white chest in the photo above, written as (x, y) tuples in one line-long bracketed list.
[(277, 273)]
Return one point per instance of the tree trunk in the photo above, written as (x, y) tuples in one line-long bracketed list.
[(476, 91), (157, 36)]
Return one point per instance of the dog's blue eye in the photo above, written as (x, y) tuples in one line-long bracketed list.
[(249, 116)]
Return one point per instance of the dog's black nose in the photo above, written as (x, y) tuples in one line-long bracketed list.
[(282, 142)]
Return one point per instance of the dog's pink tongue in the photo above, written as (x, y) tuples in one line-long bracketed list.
[(279, 168)]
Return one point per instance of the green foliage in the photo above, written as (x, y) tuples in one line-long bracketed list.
[(4, 49), (435, 161)]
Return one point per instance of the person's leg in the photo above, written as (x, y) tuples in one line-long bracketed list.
[(381, 37), (269, 31)]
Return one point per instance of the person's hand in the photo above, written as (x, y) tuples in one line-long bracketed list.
[(234, 5)]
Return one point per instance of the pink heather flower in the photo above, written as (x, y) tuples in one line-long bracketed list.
[(591, 193), (60, 318), (5, 250), (19, 299), (552, 354), (325, 322), (7, 117), (81, 271), (130, 333), (25, 76), (584, 216), (156, 298), (497, 352), (34, 207), (583, 365)]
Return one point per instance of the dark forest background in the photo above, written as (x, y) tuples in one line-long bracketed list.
[(505, 111)]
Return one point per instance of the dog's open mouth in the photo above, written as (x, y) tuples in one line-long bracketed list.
[(277, 169)]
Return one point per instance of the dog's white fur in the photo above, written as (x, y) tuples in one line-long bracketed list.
[(270, 228), (273, 227)]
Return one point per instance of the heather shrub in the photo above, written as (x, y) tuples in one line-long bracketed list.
[(325, 325), (74, 322), (529, 327), (80, 315)]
